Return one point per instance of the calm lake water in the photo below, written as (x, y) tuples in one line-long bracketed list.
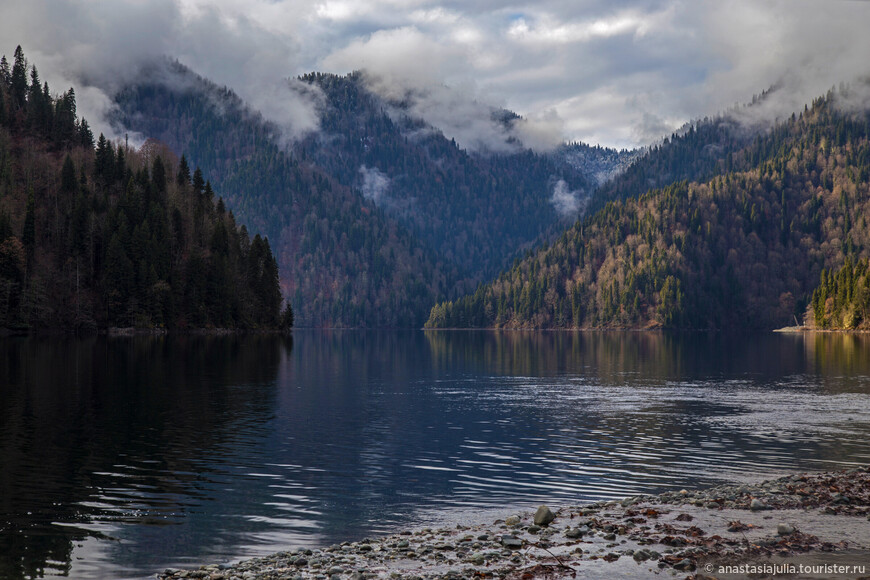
[(120, 457)]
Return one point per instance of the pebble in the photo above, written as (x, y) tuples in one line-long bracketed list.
[(544, 516), (684, 565), (609, 531)]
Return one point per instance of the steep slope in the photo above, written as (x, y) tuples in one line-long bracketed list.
[(374, 217), (344, 262), (732, 141), (743, 249), (91, 238), (474, 209), (600, 165), (842, 299)]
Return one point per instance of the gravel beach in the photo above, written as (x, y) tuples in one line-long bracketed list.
[(811, 525)]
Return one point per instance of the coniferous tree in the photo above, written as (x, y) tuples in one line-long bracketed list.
[(158, 175), (68, 179), (35, 109), (104, 165), (198, 182), (28, 235), (18, 80), (5, 72), (182, 178), (287, 317), (116, 252), (85, 135)]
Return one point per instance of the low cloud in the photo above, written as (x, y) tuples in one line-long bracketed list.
[(98, 47), (567, 202), (375, 184), (391, 61), (618, 74)]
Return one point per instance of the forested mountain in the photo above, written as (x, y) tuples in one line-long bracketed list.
[(475, 210), (731, 141), (112, 236), (742, 248), (344, 262), (842, 299), (599, 164), (374, 217)]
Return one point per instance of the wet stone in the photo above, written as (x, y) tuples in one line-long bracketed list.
[(544, 516), (684, 565), (785, 529)]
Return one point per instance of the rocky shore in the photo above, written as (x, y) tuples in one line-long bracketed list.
[(800, 526)]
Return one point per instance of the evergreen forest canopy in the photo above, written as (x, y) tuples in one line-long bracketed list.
[(376, 216), (739, 241), (95, 236), (842, 299)]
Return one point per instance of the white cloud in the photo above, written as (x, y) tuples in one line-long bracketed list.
[(566, 202), (375, 184), (615, 73)]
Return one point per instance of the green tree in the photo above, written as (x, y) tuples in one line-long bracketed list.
[(28, 236), (182, 178), (120, 281), (198, 182), (158, 175), (18, 80), (68, 180)]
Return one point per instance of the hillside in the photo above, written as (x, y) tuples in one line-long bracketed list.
[(842, 299), (729, 142), (743, 249), (473, 209), (113, 236), (375, 217)]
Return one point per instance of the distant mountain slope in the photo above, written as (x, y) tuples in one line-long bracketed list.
[(599, 164), (373, 218), (732, 141), (475, 210), (344, 262), (741, 250)]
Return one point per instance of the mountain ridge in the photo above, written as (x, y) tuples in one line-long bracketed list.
[(373, 219), (740, 249)]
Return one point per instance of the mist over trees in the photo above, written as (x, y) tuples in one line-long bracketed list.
[(375, 217), (741, 249), (94, 235)]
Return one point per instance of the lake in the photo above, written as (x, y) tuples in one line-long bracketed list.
[(120, 457)]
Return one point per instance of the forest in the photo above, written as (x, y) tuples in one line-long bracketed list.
[(96, 235), (742, 246), (842, 299), (374, 217)]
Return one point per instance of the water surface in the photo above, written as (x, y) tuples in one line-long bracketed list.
[(123, 456)]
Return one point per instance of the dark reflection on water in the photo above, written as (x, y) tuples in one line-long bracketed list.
[(119, 457), (99, 436)]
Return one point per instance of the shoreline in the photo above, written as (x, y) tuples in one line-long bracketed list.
[(809, 525), (114, 331)]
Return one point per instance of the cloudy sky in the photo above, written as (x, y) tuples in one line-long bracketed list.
[(618, 73)]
